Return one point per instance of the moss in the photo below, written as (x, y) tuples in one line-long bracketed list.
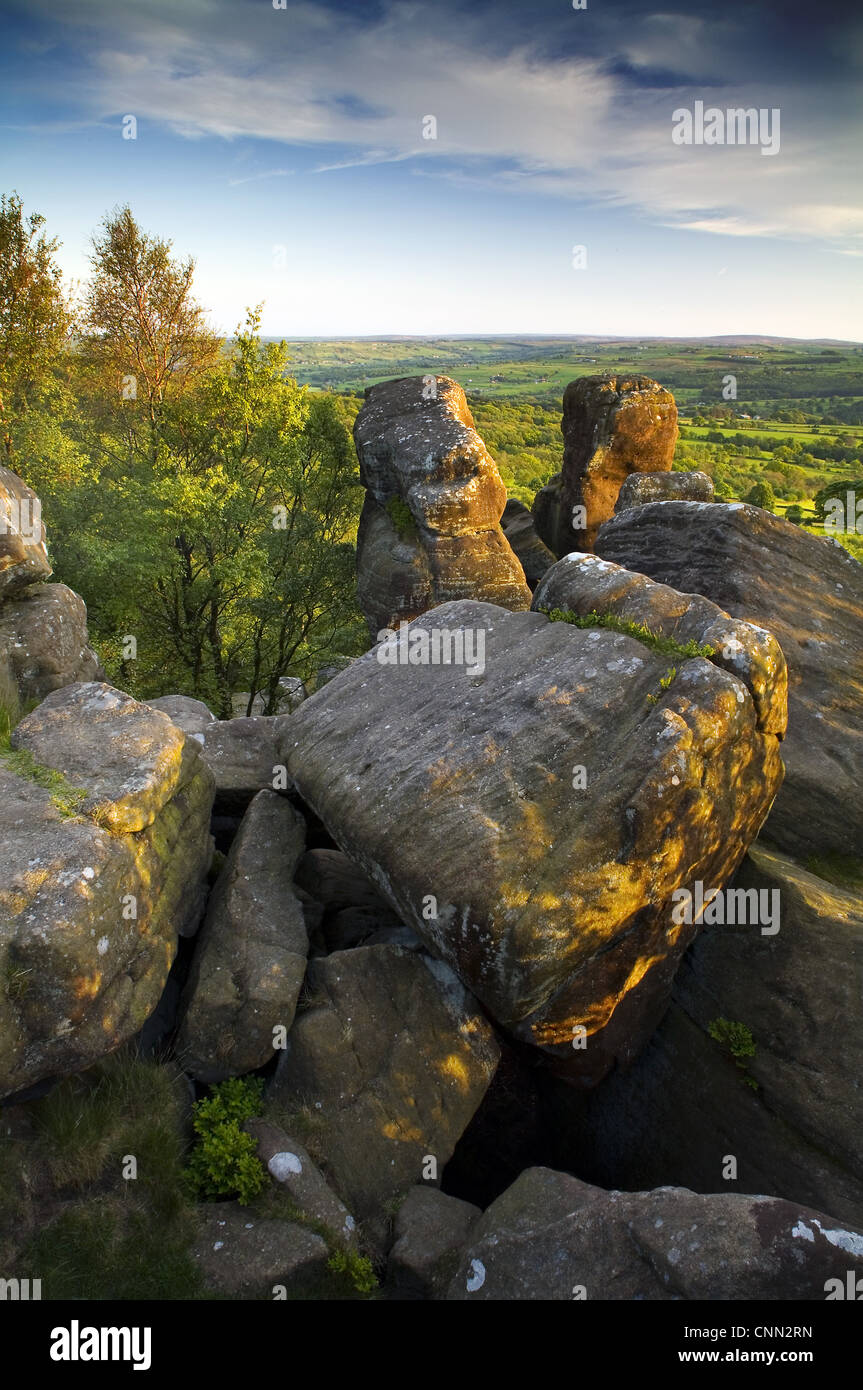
[(402, 518), (666, 646), (67, 799), (842, 870)]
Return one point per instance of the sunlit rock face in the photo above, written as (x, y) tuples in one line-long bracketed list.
[(640, 488), (392, 1058), (23, 553), (612, 426), (530, 811), (100, 870), (790, 1110), (808, 592), (552, 1237), (430, 527), (44, 643)]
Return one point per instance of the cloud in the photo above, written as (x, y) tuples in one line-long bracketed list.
[(587, 121)]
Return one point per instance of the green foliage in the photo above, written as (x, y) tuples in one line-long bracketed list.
[(67, 1214), (762, 495), (655, 640), (738, 1042), (402, 518), (224, 1161), (356, 1268), (67, 799)]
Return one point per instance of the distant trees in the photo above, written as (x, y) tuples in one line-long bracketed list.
[(762, 495)]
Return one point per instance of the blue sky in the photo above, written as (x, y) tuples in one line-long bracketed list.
[(284, 149)]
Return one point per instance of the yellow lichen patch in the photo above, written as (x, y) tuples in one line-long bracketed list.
[(87, 986), (405, 1133), (555, 696), (454, 1069)]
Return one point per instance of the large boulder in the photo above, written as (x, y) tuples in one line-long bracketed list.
[(519, 528), (291, 1166), (753, 1080), (243, 755), (44, 643), (391, 1059), (431, 1231), (192, 716), (91, 908), (23, 552), (640, 488), (530, 809), (250, 955), (552, 1237), (809, 593), (612, 426), (430, 527), (243, 1256)]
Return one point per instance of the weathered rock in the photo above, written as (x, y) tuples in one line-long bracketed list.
[(431, 1232), (23, 552), (640, 488), (549, 894), (250, 956), (585, 584), (612, 426), (791, 1115), (192, 716), (552, 1237), (430, 527), (289, 1164), (44, 643), (392, 1058), (337, 882), (244, 758), (89, 917), (518, 527), (243, 1257), (130, 755), (809, 593)]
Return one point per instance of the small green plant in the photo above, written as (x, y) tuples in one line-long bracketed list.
[(402, 518), (357, 1268), (738, 1041), (655, 640), (224, 1161)]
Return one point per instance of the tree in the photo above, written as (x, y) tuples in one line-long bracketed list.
[(762, 495), (146, 337), (35, 316)]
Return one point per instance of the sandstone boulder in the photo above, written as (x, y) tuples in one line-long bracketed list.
[(44, 642), (553, 1237), (519, 528), (244, 758), (390, 1059), (23, 552), (290, 1165), (250, 956), (431, 1231), (612, 426), (788, 1109), (89, 916), (430, 528), (192, 716), (242, 1256), (809, 593), (530, 811), (640, 488)]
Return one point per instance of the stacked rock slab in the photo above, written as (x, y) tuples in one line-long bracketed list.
[(430, 526), (809, 592), (612, 426), (456, 786), (43, 627), (103, 865), (552, 1237), (640, 488)]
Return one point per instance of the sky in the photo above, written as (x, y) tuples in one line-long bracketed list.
[(434, 167)]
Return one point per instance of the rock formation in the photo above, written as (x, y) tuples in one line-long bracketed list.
[(809, 593), (102, 868), (519, 528), (612, 426), (530, 816), (552, 1237), (640, 488), (430, 526)]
